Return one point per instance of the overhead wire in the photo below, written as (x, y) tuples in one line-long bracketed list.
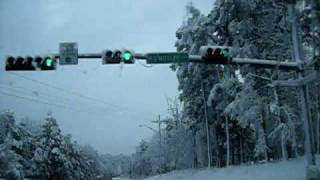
[(57, 105), (41, 94), (68, 91), (72, 92), (31, 99)]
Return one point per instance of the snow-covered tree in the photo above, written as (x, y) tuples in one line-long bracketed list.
[(15, 148), (44, 152)]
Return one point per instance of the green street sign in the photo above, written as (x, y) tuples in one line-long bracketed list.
[(164, 58)]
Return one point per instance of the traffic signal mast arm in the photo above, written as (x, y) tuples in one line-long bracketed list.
[(267, 63), (263, 63), (85, 56), (198, 59), (99, 55), (69, 55)]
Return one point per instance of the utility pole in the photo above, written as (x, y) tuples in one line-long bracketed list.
[(207, 126), (160, 143), (160, 140)]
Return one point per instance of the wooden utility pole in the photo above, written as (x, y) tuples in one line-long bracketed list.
[(159, 122)]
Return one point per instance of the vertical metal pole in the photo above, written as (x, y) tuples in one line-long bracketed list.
[(302, 90), (228, 140), (207, 125)]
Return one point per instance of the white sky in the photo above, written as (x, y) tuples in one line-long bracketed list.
[(135, 94)]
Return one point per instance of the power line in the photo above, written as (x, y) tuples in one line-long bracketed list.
[(67, 91), (25, 90), (73, 93), (61, 106), (20, 89), (31, 99)]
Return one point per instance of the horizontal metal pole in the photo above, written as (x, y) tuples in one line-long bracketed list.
[(313, 77), (267, 63), (139, 56), (99, 55), (85, 56), (255, 62), (198, 59)]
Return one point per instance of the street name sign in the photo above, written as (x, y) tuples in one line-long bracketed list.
[(164, 58)]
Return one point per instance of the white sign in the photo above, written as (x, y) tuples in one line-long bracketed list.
[(68, 53)]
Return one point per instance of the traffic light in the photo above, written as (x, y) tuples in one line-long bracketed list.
[(110, 57), (117, 56), (216, 54), (48, 63), (30, 63), (127, 57)]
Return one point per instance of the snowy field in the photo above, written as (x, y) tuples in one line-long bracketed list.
[(290, 170)]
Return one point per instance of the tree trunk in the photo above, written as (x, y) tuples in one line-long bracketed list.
[(311, 122), (283, 146), (278, 118), (227, 141), (294, 147), (194, 149), (215, 146), (241, 147), (317, 122)]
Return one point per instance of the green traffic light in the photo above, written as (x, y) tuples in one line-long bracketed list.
[(49, 62), (225, 53), (127, 56)]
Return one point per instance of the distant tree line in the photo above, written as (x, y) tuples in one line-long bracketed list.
[(30, 149)]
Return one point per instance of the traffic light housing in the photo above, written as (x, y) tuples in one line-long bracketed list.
[(111, 57), (117, 56), (216, 54), (29, 63)]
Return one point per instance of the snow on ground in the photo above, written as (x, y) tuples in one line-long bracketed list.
[(119, 178), (289, 170)]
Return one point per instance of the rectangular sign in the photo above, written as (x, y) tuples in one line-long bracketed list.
[(68, 53), (163, 58)]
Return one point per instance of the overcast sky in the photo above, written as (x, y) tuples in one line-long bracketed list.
[(105, 103)]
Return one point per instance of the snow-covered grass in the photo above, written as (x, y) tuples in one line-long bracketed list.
[(288, 170)]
